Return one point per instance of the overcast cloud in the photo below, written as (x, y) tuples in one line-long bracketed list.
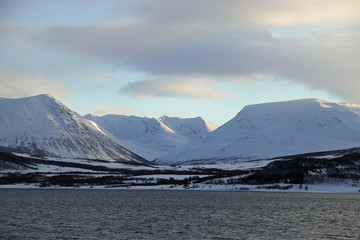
[(179, 41)]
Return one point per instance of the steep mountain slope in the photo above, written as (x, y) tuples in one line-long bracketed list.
[(42, 126), (277, 129), (150, 137), (191, 128)]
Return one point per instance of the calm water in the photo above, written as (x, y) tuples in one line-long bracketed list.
[(127, 214)]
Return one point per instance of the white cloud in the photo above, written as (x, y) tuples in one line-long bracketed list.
[(173, 87), (101, 110), (17, 84)]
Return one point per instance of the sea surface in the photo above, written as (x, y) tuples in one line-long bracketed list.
[(136, 214)]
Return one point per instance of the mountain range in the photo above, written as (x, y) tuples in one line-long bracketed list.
[(42, 126), (153, 137)]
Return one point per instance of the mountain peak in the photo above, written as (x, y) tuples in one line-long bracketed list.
[(40, 125), (44, 95), (37, 98)]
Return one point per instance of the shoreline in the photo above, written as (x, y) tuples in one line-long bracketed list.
[(312, 188)]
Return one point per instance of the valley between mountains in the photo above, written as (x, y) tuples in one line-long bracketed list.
[(300, 145)]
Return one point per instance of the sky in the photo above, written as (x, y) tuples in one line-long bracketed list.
[(180, 58)]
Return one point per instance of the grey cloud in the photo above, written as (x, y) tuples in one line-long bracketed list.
[(92, 74), (165, 52), (8, 8), (234, 13), (172, 38)]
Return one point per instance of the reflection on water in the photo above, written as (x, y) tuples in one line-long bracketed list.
[(130, 214)]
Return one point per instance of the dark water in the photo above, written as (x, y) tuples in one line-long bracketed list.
[(127, 214)]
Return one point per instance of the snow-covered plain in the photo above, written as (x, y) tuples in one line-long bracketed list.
[(312, 188), (117, 165), (217, 184)]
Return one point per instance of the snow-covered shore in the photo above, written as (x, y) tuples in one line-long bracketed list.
[(308, 188)]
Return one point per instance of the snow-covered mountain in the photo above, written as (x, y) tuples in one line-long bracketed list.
[(276, 129), (151, 137), (42, 126), (191, 128)]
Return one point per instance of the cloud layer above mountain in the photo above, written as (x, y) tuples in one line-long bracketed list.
[(316, 43)]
